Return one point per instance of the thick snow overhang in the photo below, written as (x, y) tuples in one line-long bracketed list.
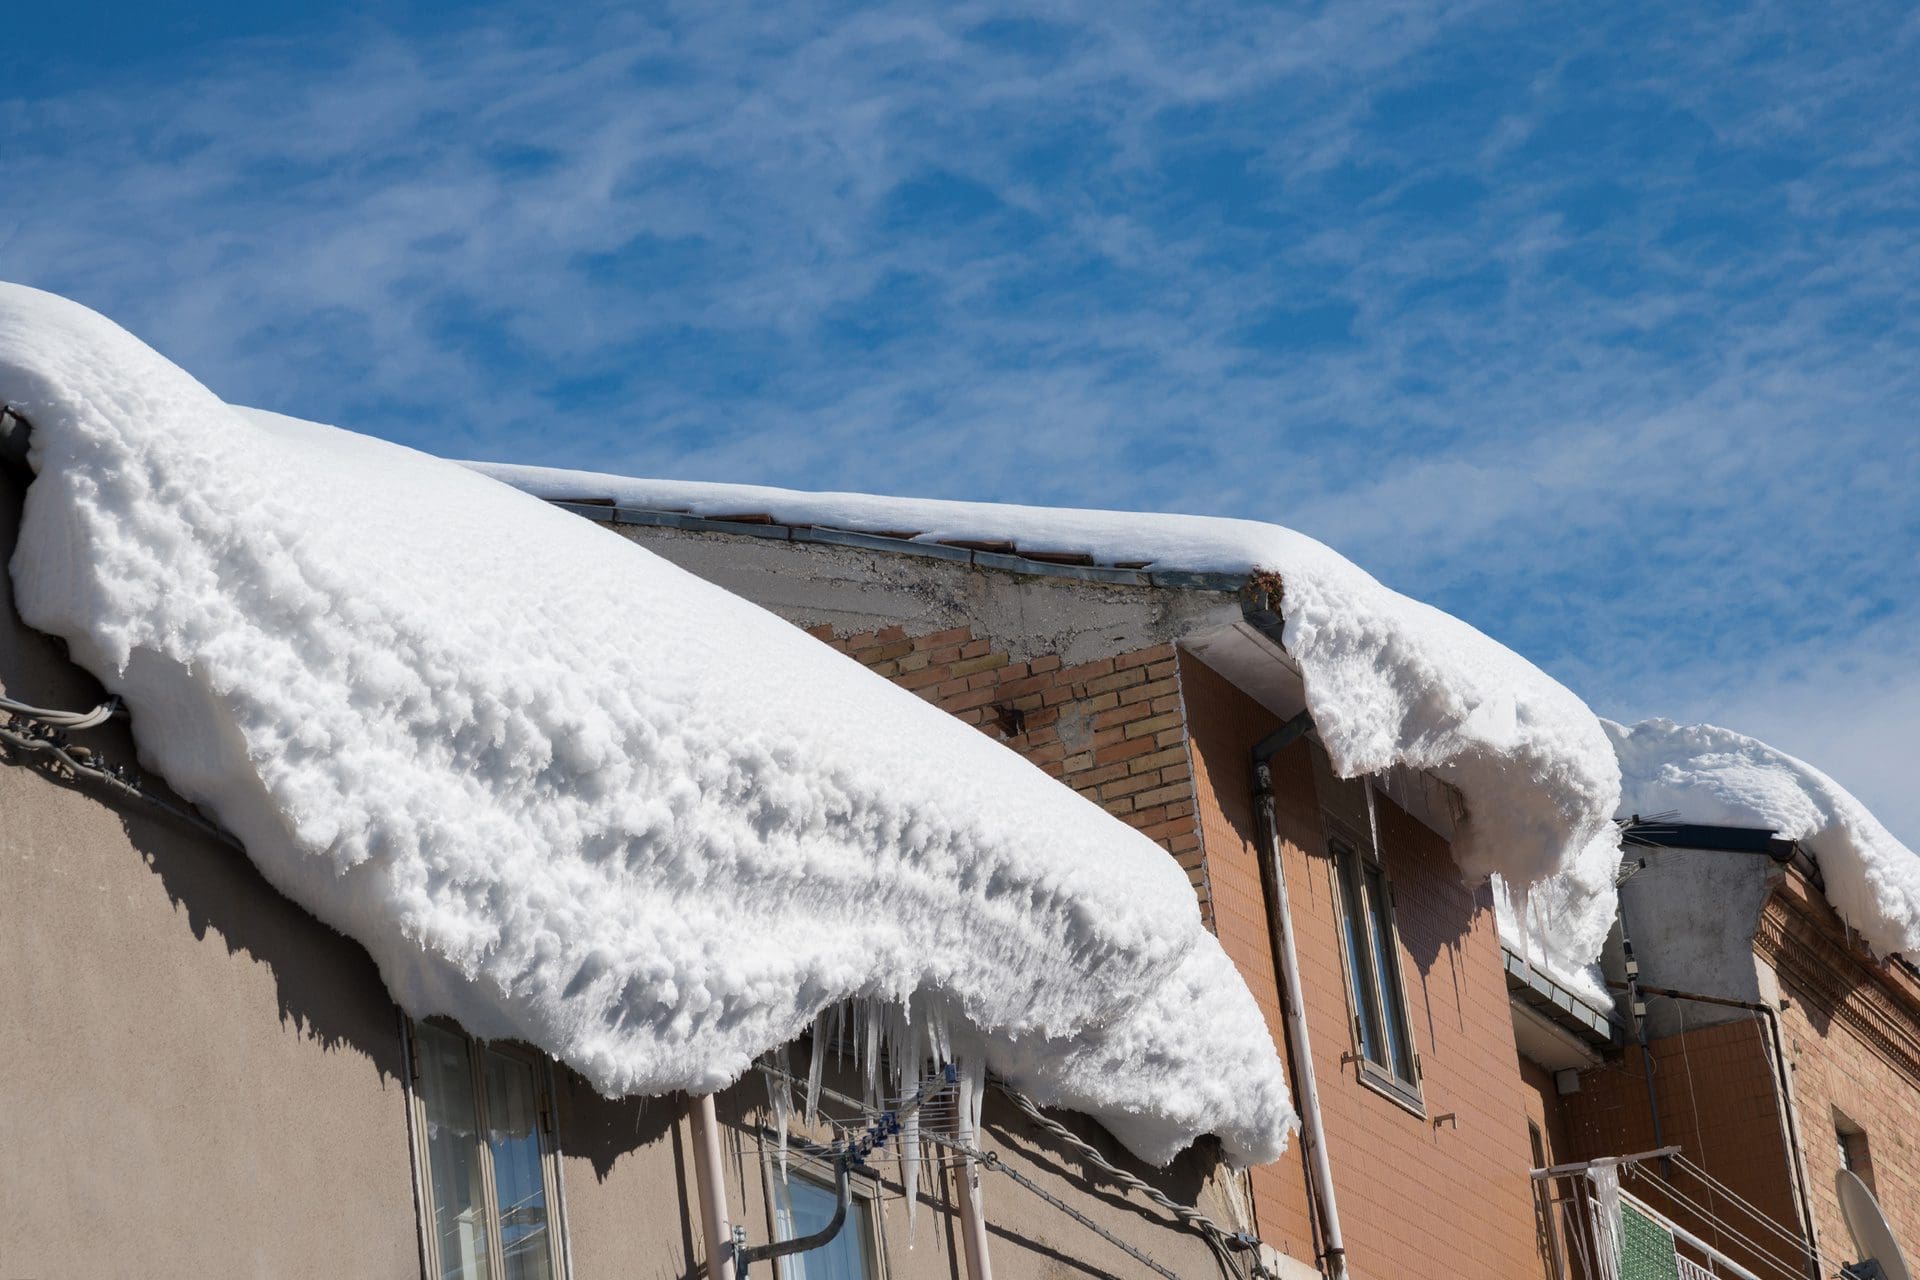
[(1711, 788), (1397, 688), (568, 793)]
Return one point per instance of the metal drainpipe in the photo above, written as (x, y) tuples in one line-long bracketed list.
[(973, 1222), (708, 1173), (1280, 923), (1783, 1081)]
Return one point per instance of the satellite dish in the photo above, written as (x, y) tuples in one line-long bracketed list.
[(1871, 1234)]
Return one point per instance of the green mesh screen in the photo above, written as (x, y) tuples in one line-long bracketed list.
[(1646, 1248)]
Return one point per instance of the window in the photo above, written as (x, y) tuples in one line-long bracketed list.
[(483, 1140), (1854, 1153), (1383, 1038), (803, 1206)]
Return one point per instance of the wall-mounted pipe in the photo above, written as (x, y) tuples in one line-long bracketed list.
[(973, 1222), (708, 1173), (744, 1257), (1280, 924)]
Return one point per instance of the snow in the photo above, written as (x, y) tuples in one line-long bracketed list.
[(568, 793), (1713, 776), (1390, 680)]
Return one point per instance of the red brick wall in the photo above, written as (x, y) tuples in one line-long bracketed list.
[(1852, 1032), (1226, 725), (1162, 741), (1718, 1102), (1834, 1072), (1111, 729), (1417, 1198), (1542, 1100)]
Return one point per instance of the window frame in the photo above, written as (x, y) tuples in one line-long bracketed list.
[(1357, 867), (1853, 1148), (559, 1259), (808, 1161)]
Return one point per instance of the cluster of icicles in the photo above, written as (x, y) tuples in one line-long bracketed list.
[(892, 1045)]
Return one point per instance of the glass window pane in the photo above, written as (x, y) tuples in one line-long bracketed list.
[(804, 1207), (1359, 964), (519, 1182), (1386, 970), (453, 1154)]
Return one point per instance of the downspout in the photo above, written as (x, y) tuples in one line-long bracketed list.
[(1280, 923), (1783, 1083), (973, 1223), (707, 1172)]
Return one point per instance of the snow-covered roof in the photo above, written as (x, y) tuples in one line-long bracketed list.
[(566, 792), (1390, 680), (1705, 774)]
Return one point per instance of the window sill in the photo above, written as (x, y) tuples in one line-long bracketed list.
[(1392, 1088)]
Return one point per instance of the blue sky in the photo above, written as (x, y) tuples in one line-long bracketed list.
[(1595, 325)]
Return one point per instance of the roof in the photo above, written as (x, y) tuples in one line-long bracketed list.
[(568, 793)]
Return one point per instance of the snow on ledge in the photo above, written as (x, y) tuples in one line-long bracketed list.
[(566, 792), (1716, 776), (1390, 680)]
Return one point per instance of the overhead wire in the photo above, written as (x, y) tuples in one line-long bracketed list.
[(1219, 1240), (37, 736)]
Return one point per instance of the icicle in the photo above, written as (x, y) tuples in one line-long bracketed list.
[(909, 1057), (910, 1168), (870, 1051), (780, 1095), (817, 1059), (939, 1038), (973, 1095)]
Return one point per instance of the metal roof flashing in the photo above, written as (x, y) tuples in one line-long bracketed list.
[(1558, 1004), (604, 511)]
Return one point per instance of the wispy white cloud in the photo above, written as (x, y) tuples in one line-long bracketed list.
[(1596, 328)]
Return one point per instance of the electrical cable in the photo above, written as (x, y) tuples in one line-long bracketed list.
[(1191, 1218), (37, 736)]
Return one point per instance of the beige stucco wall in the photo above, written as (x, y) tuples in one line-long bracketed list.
[(633, 1210), (199, 1079), (196, 1077)]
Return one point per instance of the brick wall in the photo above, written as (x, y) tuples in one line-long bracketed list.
[(1112, 729), (1715, 1088), (1420, 1195), (1163, 742), (1541, 1097), (1852, 1033)]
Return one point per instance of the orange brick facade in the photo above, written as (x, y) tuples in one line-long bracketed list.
[(1850, 1029), (1439, 1194), (1112, 729), (1852, 1032), (1160, 740), (1718, 1099)]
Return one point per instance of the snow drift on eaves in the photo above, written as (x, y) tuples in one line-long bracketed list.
[(563, 791), (1389, 680), (1706, 774)]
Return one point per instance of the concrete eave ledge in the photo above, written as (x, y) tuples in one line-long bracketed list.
[(1008, 562), (1573, 1013)]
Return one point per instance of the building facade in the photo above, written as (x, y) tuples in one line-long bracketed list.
[(203, 1079)]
